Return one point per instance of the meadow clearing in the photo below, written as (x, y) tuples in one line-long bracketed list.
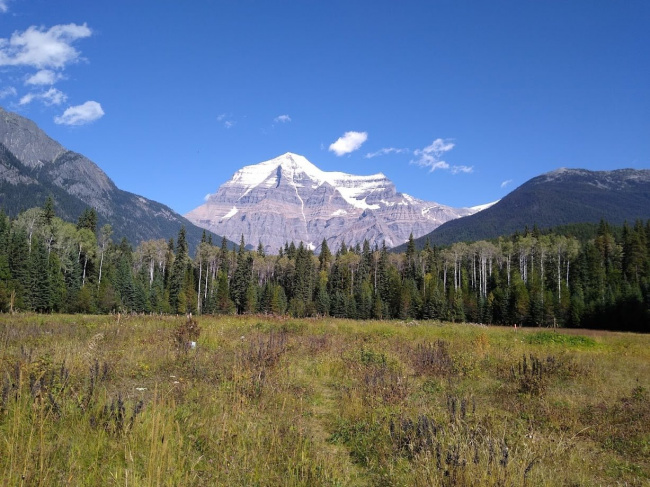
[(130, 400)]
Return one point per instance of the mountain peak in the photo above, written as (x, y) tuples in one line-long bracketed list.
[(288, 198)]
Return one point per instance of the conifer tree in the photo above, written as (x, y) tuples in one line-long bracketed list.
[(40, 288), (241, 278), (48, 210), (19, 267), (88, 219), (177, 276), (325, 257)]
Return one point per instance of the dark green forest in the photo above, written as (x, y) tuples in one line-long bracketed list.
[(530, 278)]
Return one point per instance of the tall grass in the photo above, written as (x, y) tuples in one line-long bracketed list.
[(274, 401)]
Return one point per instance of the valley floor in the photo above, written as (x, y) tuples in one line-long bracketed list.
[(132, 400)]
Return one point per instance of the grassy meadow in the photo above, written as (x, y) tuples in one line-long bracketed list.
[(108, 400)]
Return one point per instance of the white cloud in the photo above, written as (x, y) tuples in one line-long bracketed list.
[(4, 6), (507, 182), (431, 157), (207, 197), (350, 142), (44, 77), (49, 97), (40, 48), (463, 169), (282, 119), (226, 120), (81, 114), (8, 91), (386, 151)]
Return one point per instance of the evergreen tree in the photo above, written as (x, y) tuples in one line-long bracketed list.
[(177, 279), (40, 286), (241, 278), (325, 257), (18, 259), (88, 220), (223, 304), (48, 210)]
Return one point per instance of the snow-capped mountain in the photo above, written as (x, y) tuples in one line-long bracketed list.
[(290, 199)]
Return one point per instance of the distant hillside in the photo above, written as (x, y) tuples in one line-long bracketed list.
[(560, 197), (34, 166)]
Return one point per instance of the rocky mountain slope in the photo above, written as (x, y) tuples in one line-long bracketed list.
[(34, 166), (289, 199), (556, 198)]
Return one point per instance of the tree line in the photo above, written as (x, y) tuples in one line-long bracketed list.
[(529, 278)]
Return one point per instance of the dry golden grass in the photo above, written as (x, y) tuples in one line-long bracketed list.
[(93, 400)]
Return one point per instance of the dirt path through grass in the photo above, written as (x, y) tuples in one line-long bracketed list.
[(324, 414)]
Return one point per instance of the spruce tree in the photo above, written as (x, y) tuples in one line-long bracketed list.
[(48, 210), (40, 288), (241, 278), (88, 219), (177, 277), (19, 267), (325, 257)]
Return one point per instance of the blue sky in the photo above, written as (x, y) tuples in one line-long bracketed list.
[(455, 101)]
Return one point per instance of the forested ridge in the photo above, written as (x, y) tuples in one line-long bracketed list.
[(549, 279)]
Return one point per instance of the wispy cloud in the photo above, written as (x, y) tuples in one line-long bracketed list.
[(4, 6), (40, 48), (7, 91), (282, 119), (385, 151), (349, 142), (506, 183), (226, 120), (462, 169), (81, 114), (49, 97), (44, 77), (432, 157)]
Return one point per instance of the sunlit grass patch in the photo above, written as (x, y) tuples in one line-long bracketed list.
[(275, 401)]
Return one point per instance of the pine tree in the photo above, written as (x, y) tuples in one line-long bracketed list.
[(224, 304), (325, 257), (224, 263), (241, 278), (48, 210), (177, 276), (88, 219), (40, 286), (19, 267)]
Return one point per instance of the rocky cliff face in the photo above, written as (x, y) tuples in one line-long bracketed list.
[(289, 199), (33, 166)]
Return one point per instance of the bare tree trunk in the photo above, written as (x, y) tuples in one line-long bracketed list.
[(101, 263), (205, 289), (198, 294), (559, 276)]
